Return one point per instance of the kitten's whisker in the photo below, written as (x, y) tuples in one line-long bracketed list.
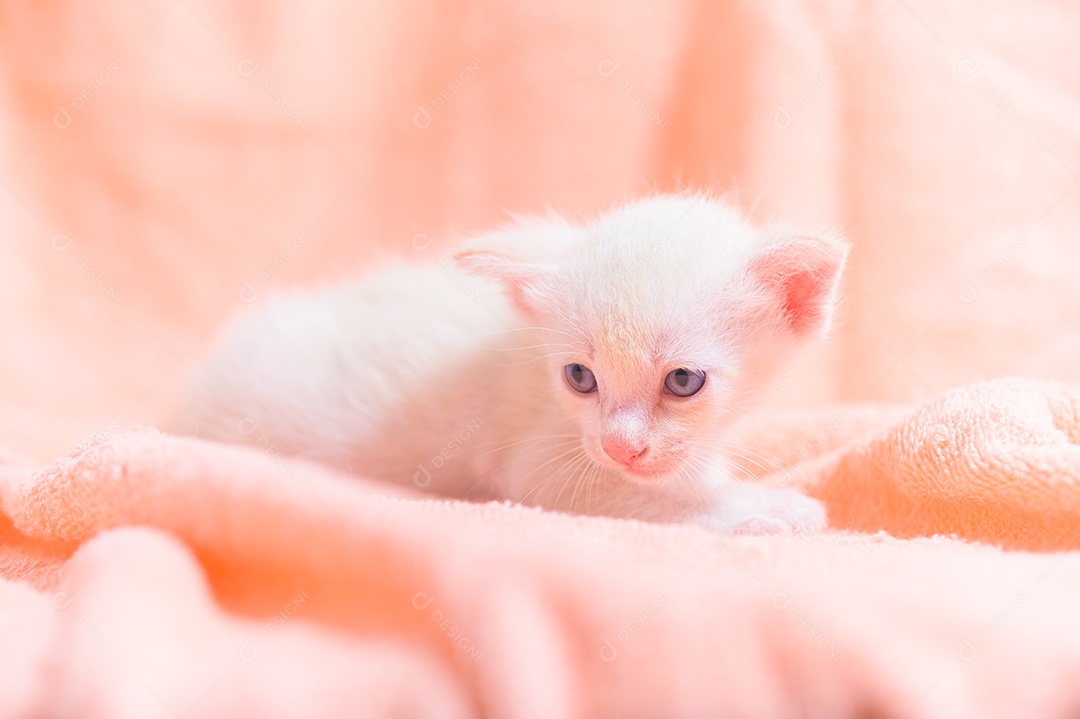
[(535, 440), (739, 472), (746, 450), (533, 437), (575, 473), (781, 468), (538, 358), (553, 459), (551, 476), (569, 477), (535, 329), (524, 347), (533, 450), (592, 478), (555, 354), (692, 474), (531, 492), (746, 465), (595, 474), (685, 480), (747, 454), (581, 478), (531, 358)]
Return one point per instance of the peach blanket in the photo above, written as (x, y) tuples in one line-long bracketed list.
[(171, 576), (165, 164)]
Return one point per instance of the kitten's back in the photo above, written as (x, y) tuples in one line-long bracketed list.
[(387, 362)]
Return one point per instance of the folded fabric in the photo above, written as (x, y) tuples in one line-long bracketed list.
[(995, 461), (149, 575)]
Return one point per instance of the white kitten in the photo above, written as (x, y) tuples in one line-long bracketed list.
[(590, 369)]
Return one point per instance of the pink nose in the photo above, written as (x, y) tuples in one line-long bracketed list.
[(622, 452)]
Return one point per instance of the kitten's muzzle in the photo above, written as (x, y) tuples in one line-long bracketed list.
[(625, 453)]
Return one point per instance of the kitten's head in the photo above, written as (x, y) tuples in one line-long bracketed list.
[(662, 319)]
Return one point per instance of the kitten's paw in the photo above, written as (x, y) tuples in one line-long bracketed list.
[(757, 510)]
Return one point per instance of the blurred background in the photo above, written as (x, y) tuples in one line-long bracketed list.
[(164, 165)]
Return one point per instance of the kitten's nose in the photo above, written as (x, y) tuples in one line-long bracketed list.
[(622, 452)]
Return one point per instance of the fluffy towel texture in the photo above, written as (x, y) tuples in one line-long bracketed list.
[(164, 164), (256, 585), (995, 461)]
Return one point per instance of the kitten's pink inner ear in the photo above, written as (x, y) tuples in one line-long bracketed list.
[(802, 275), (522, 280)]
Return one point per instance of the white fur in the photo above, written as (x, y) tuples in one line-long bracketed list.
[(424, 374)]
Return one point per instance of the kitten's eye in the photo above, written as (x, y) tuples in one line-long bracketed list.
[(580, 378), (684, 382)]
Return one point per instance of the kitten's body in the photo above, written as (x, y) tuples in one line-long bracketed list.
[(451, 382)]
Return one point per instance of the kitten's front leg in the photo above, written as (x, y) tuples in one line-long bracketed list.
[(743, 508)]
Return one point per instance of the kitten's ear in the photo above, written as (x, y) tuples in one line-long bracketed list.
[(526, 282), (800, 277)]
